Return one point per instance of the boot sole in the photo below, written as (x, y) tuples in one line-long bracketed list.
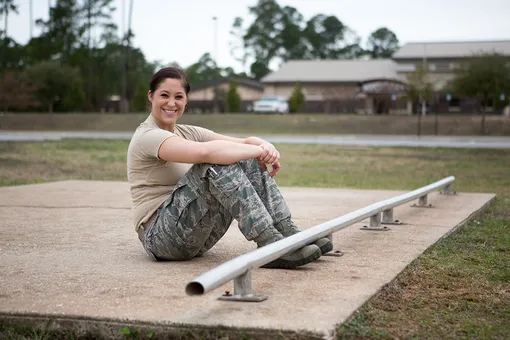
[(284, 264)]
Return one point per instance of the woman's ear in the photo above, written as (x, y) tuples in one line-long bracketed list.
[(149, 96)]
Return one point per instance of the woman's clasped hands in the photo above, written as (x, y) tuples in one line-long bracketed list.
[(269, 156)]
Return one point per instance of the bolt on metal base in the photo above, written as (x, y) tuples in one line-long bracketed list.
[(243, 291), (335, 253), (422, 203), (375, 224)]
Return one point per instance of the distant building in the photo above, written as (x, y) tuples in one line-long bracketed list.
[(377, 86), (201, 97), (336, 85), (441, 59)]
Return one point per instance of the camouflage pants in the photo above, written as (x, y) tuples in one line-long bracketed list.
[(204, 203)]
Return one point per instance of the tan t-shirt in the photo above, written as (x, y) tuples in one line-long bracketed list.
[(152, 179)]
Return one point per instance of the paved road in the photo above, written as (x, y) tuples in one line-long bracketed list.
[(347, 140)]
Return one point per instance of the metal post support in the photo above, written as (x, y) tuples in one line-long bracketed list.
[(375, 224), (336, 253), (422, 203), (448, 190), (387, 217), (243, 291)]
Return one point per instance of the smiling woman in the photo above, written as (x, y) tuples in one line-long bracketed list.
[(188, 183)]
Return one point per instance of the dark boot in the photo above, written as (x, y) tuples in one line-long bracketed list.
[(288, 228), (291, 260)]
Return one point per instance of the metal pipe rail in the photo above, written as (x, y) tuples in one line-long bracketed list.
[(239, 268)]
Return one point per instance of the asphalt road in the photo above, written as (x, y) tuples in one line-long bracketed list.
[(487, 142)]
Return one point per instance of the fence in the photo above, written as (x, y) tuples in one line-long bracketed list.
[(239, 268)]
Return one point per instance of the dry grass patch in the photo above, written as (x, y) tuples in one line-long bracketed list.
[(22, 163), (334, 124)]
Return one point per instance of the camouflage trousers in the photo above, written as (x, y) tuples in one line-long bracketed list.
[(204, 203)]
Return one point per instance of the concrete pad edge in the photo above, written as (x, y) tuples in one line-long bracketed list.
[(75, 326)]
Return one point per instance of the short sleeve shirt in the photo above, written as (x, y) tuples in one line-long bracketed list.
[(151, 179)]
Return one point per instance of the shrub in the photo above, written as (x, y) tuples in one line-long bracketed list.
[(233, 99), (297, 99)]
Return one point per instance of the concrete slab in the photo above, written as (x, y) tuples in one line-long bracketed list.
[(69, 253)]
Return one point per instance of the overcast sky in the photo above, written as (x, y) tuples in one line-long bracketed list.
[(183, 30)]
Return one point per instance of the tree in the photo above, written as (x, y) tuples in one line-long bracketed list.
[(13, 56), (261, 39), (326, 37), (259, 69), (63, 31), (281, 34), (204, 70), (292, 45), (382, 43), (237, 47), (418, 87), (98, 15), (297, 99), (350, 46), (233, 100), (57, 85), (484, 77), (140, 102), (15, 92), (7, 6)]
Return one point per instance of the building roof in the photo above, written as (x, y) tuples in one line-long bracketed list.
[(347, 71), (451, 49), (241, 81)]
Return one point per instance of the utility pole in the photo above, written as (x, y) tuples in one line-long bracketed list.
[(215, 56), (31, 24), (49, 13), (123, 94), (126, 43), (425, 70), (89, 105), (6, 13)]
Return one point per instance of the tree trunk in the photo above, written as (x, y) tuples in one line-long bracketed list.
[(482, 127), (419, 123)]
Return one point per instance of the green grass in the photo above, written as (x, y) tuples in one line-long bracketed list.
[(459, 288)]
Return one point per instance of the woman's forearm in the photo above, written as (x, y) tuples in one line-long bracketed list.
[(225, 152), (254, 141)]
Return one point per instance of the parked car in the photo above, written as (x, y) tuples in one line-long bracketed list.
[(271, 104)]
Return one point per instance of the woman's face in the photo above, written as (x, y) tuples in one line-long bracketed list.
[(168, 103)]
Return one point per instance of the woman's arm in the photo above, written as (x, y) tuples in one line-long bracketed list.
[(250, 140), (269, 156), (176, 149)]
